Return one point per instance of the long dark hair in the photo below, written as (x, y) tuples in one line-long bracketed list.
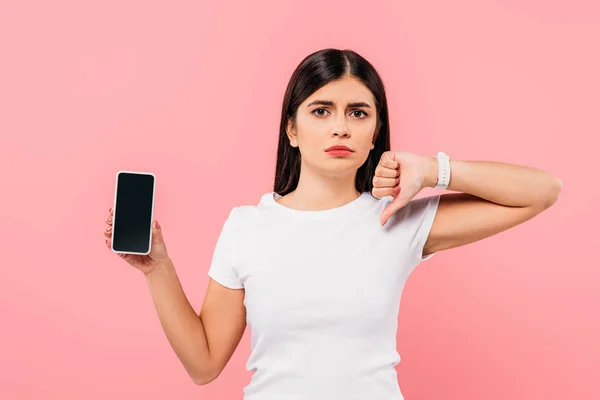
[(314, 72)]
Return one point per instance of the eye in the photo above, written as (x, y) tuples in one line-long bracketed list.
[(361, 111), (318, 109)]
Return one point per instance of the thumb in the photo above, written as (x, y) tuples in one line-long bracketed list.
[(400, 200), (157, 237)]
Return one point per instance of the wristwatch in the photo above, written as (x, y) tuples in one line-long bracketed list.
[(443, 171)]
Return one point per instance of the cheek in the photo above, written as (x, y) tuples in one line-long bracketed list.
[(364, 133), (312, 127), (312, 132)]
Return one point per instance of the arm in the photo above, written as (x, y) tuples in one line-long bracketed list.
[(203, 343), (495, 197)]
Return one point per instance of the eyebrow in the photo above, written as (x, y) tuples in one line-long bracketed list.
[(331, 103)]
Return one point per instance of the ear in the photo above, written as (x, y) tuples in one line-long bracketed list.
[(291, 133)]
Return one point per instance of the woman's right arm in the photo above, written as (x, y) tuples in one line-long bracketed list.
[(203, 343)]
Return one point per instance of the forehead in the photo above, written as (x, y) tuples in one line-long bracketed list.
[(342, 91)]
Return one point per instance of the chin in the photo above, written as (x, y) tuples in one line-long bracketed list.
[(343, 167)]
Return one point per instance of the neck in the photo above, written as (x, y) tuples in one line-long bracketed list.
[(318, 191)]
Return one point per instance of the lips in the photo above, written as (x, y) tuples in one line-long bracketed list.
[(332, 148)]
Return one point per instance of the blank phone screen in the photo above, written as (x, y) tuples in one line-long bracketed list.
[(132, 224)]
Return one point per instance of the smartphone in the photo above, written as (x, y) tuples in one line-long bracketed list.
[(133, 211)]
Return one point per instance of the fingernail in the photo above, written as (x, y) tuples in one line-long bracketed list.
[(108, 229), (110, 219), (157, 226)]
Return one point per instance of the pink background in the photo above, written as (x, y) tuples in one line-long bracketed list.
[(192, 92)]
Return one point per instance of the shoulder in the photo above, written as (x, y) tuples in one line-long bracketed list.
[(245, 215)]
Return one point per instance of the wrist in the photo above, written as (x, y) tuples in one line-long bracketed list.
[(160, 269), (431, 177)]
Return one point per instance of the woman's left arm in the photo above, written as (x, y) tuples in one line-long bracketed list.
[(494, 197)]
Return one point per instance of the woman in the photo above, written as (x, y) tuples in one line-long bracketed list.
[(317, 267)]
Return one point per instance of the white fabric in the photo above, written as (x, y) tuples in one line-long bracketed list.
[(322, 293)]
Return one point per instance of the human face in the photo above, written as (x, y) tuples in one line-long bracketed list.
[(339, 113)]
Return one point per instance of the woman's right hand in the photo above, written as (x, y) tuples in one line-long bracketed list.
[(145, 263)]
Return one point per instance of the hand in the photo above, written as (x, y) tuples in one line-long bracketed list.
[(401, 175), (145, 263)]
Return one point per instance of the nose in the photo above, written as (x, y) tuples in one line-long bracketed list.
[(340, 129)]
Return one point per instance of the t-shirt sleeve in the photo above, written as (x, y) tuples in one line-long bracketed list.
[(223, 266), (418, 215)]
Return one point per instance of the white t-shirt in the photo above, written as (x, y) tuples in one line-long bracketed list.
[(322, 293)]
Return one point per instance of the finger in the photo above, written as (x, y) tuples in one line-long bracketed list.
[(391, 209), (110, 212), (109, 220), (383, 218), (157, 236), (400, 200), (107, 241), (378, 193), (380, 182), (387, 172), (386, 214), (388, 159), (108, 231)]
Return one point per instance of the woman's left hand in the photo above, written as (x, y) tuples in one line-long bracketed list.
[(401, 175)]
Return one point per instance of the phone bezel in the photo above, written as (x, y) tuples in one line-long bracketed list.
[(115, 210)]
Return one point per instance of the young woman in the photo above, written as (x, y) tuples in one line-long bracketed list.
[(317, 268)]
